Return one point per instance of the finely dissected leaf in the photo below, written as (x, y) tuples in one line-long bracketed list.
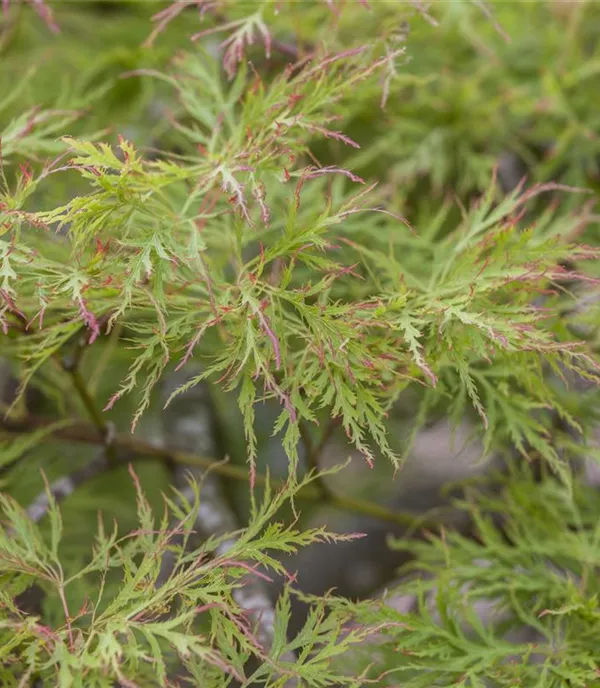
[(128, 633), (170, 250), (323, 203)]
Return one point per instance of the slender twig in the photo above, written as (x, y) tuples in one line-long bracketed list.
[(67, 613), (71, 365), (141, 449), (105, 357), (87, 400), (314, 451)]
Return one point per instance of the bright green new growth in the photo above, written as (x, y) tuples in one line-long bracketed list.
[(315, 216)]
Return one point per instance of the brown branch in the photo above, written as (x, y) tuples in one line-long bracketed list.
[(141, 450), (72, 366)]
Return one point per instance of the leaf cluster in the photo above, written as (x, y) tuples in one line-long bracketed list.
[(138, 627), (516, 603), (330, 221)]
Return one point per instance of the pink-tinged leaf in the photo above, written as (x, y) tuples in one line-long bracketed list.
[(164, 17), (318, 68), (26, 172), (216, 29), (266, 326), (259, 194), (287, 404), (243, 35), (112, 401), (383, 211), (40, 316), (232, 186), (205, 607), (338, 272), (329, 134), (190, 348), (549, 186), (283, 397), (12, 307), (136, 480), (247, 567), (89, 319), (252, 474), (353, 536), (381, 61), (46, 632), (368, 456), (314, 172), (233, 55), (46, 14), (298, 189), (412, 334), (496, 336)]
